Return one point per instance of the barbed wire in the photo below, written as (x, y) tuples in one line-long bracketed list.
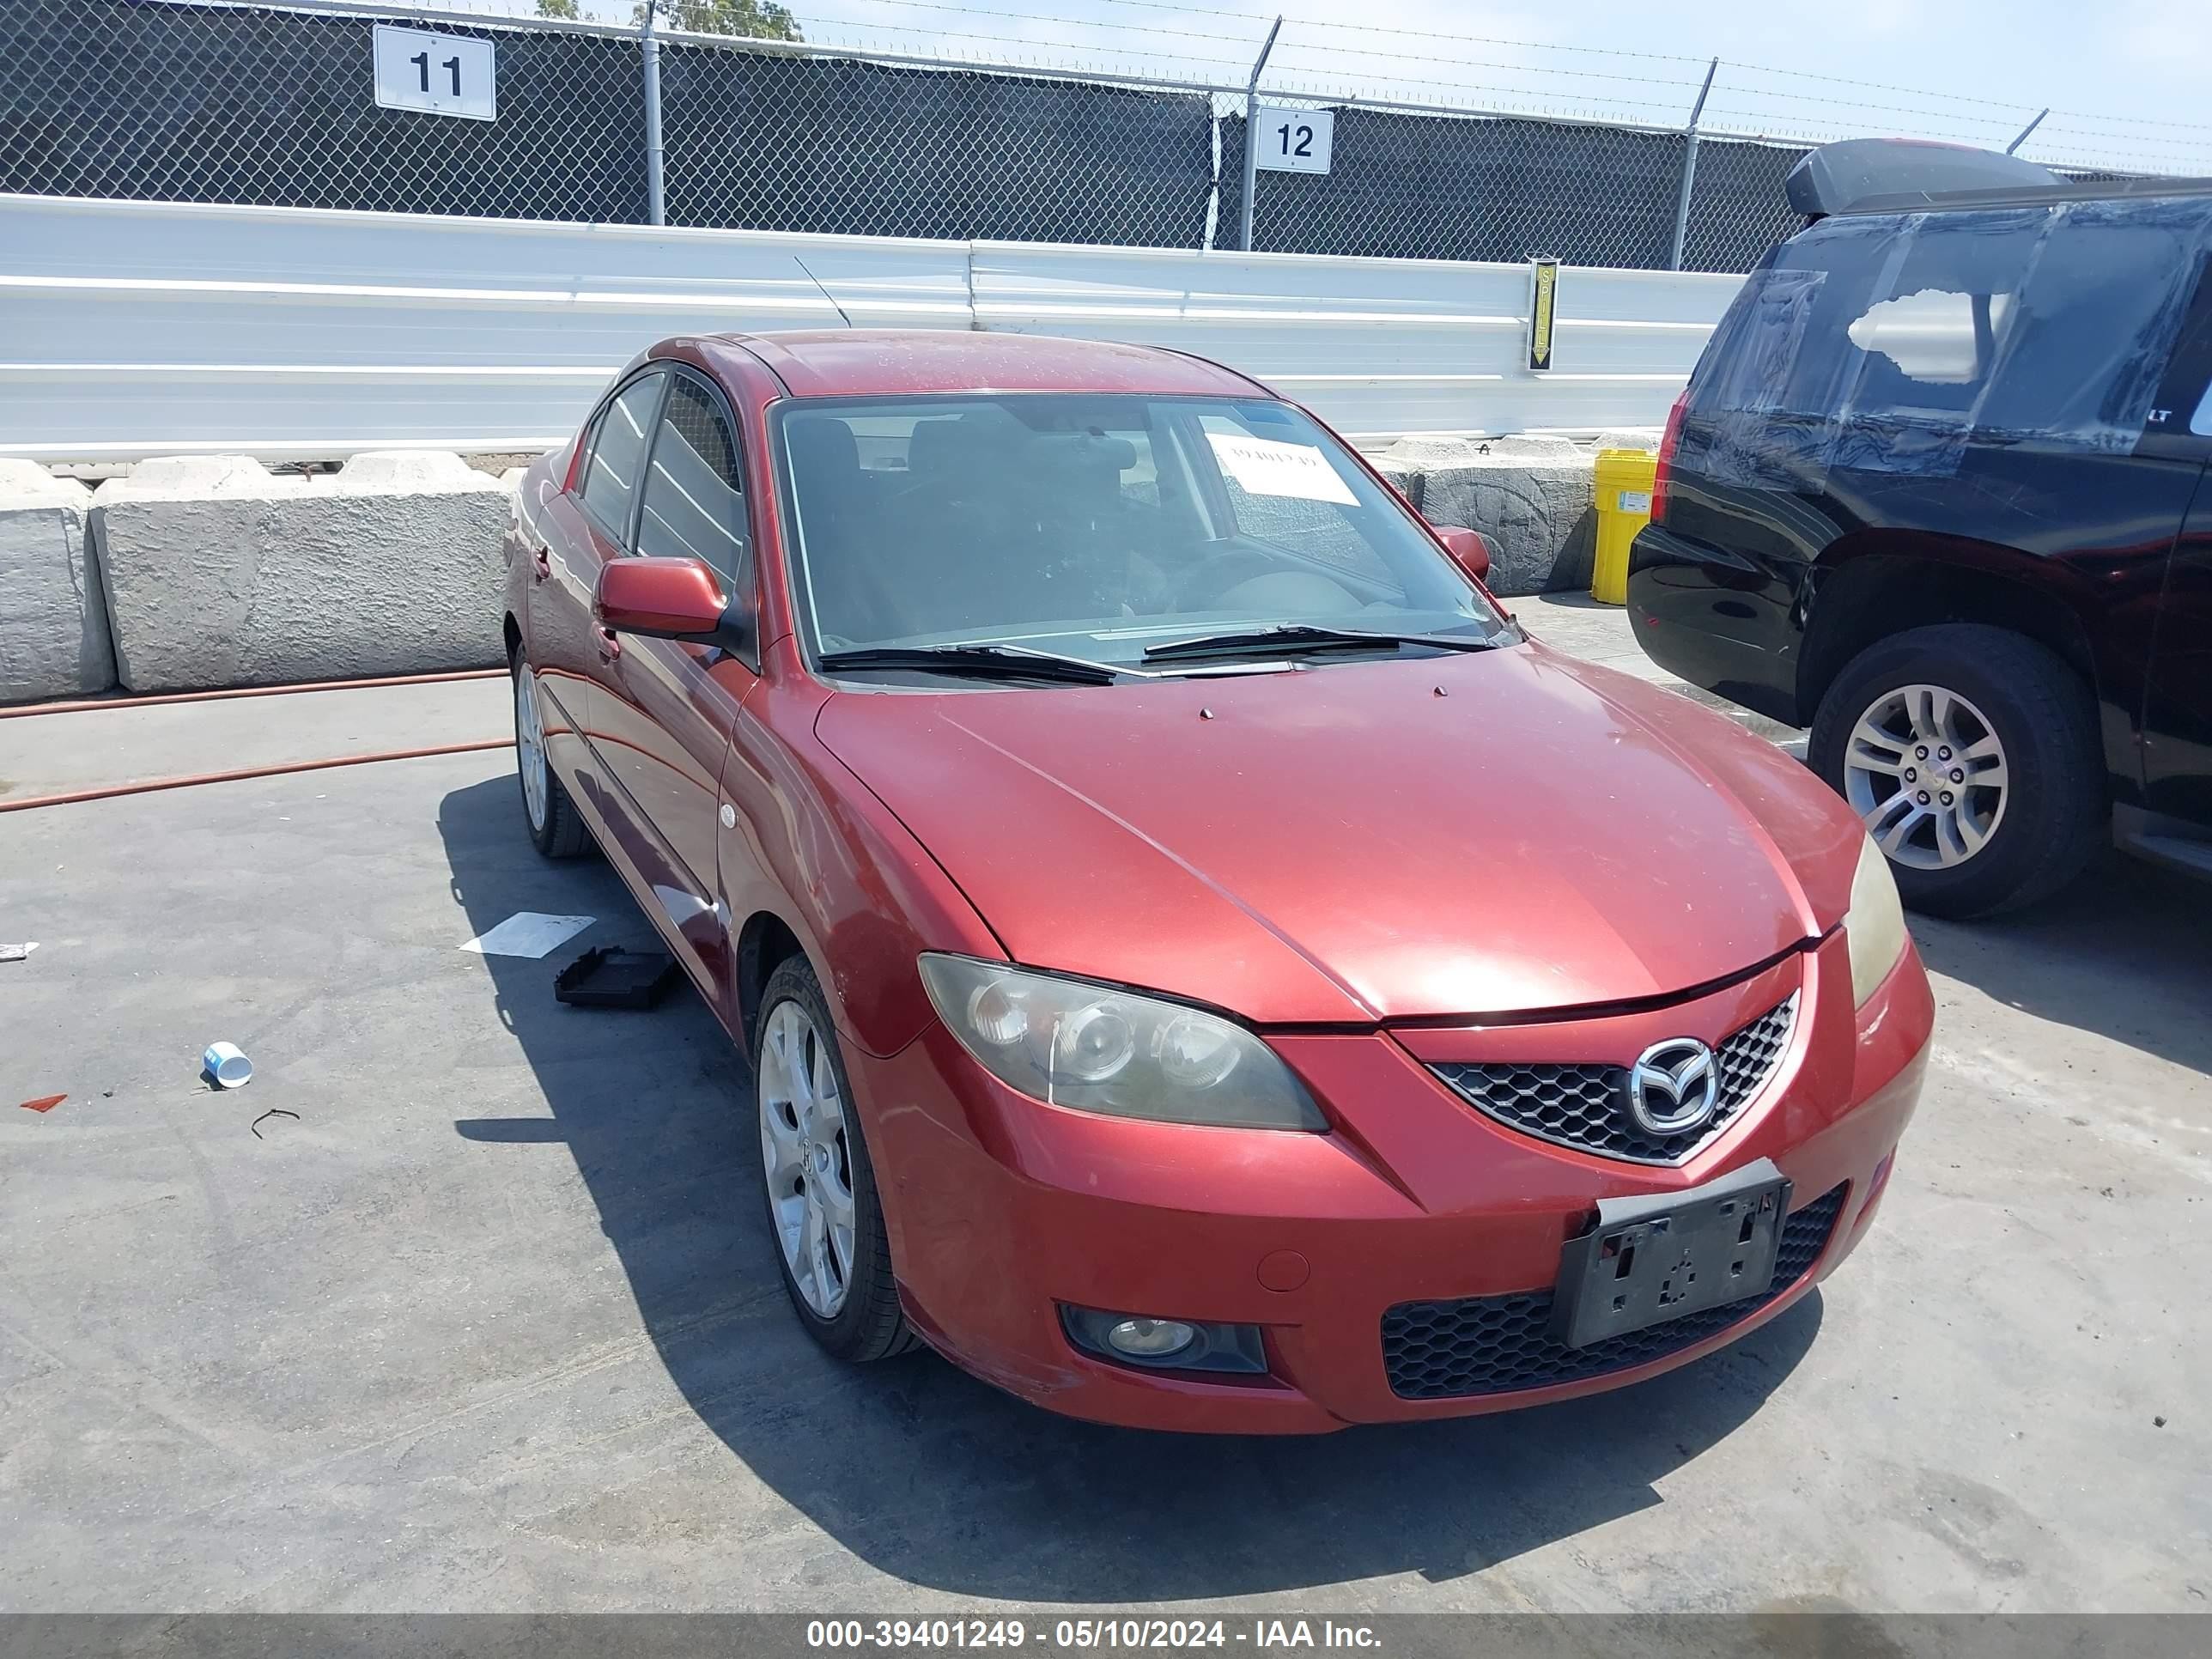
[(1289, 21), (1028, 44), (1252, 41), (1465, 86), (1789, 105), (1876, 86)]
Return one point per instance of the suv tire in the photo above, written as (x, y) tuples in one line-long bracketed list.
[(1913, 715)]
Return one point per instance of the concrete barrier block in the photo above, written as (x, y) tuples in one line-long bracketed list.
[(54, 640), (1629, 437), (206, 475), (1418, 454), (219, 572), (1531, 496), (400, 471)]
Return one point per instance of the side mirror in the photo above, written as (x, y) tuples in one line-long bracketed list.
[(665, 599), (1470, 549)]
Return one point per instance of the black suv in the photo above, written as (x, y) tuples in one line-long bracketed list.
[(1937, 489)]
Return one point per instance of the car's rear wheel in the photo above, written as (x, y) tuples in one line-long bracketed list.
[(831, 1244), (556, 830), (1971, 753)]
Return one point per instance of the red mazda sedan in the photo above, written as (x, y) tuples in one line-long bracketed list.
[(1204, 967)]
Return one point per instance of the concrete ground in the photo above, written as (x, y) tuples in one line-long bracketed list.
[(63, 753), (492, 1324)]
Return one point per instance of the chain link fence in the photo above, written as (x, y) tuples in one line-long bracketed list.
[(214, 101), (220, 103), (1415, 185), (770, 142)]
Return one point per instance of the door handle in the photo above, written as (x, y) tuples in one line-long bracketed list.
[(610, 645), (542, 564)]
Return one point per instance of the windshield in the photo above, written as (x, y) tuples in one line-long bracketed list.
[(1097, 526)]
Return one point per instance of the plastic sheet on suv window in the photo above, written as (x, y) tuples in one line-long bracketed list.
[(2070, 312)]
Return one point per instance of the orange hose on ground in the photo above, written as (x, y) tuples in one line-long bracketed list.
[(91, 704), (149, 786)]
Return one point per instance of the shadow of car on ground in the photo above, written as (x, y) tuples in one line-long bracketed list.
[(936, 1479), (2125, 952)]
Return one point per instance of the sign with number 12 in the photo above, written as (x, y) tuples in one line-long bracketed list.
[(436, 74), (1296, 140)]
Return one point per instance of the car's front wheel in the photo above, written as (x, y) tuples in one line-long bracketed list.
[(821, 1186), (1971, 753)]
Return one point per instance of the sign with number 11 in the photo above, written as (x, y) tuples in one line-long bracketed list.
[(436, 74)]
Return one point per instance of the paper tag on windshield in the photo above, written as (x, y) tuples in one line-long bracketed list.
[(1264, 467)]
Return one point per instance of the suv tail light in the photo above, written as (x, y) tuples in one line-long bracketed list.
[(1661, 474)]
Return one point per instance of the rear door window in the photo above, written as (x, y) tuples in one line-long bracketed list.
[(612, 475), (2100, 311), (1884, 343)]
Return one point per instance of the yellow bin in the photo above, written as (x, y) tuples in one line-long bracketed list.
[(1624, 506)]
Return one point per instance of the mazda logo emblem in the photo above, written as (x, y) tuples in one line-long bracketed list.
[(1675, 1086)]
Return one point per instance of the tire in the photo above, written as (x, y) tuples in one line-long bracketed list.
[(557, 831), (2021, 825), (852, 1310)]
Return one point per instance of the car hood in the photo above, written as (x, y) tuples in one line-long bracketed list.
[(1507, 831)]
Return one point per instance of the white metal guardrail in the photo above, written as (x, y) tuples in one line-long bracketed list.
[(1378, 347), (130, 328)]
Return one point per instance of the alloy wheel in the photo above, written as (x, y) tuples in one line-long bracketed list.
[(809, 1162), (1923, 768), (530, 748)]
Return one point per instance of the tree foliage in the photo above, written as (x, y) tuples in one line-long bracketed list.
[(752, 20)]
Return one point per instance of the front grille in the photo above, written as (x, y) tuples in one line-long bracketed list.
[(1583, 1106), (1499, 1344)]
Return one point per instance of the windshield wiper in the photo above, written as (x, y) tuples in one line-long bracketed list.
[(987, 661), (1287, 638)]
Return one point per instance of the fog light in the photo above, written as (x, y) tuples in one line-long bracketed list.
[(1150, 1338), (1151, 1343)]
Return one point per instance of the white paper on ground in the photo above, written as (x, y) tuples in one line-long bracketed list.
[(17, 953), (1265, 467), (527, 934)]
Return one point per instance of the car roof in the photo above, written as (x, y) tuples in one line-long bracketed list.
[(1893, 175), (889, 361), (2088, 189)]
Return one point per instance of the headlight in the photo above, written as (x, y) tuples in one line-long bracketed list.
[(1875, 927), (1071, 1044)]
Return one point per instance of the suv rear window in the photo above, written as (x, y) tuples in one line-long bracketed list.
[(1884, 343)]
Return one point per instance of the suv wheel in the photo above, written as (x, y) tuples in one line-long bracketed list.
[(1971, 754)]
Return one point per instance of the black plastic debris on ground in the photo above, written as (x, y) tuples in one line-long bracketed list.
[(611, 977)]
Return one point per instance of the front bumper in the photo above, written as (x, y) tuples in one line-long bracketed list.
[(1001, 1209)]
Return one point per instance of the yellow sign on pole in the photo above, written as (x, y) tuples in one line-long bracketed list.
[(1540, 320)]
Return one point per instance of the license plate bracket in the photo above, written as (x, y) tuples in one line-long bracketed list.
[(1657, 1256)]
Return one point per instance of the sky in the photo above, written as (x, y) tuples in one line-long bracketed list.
[(2128, 81)]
